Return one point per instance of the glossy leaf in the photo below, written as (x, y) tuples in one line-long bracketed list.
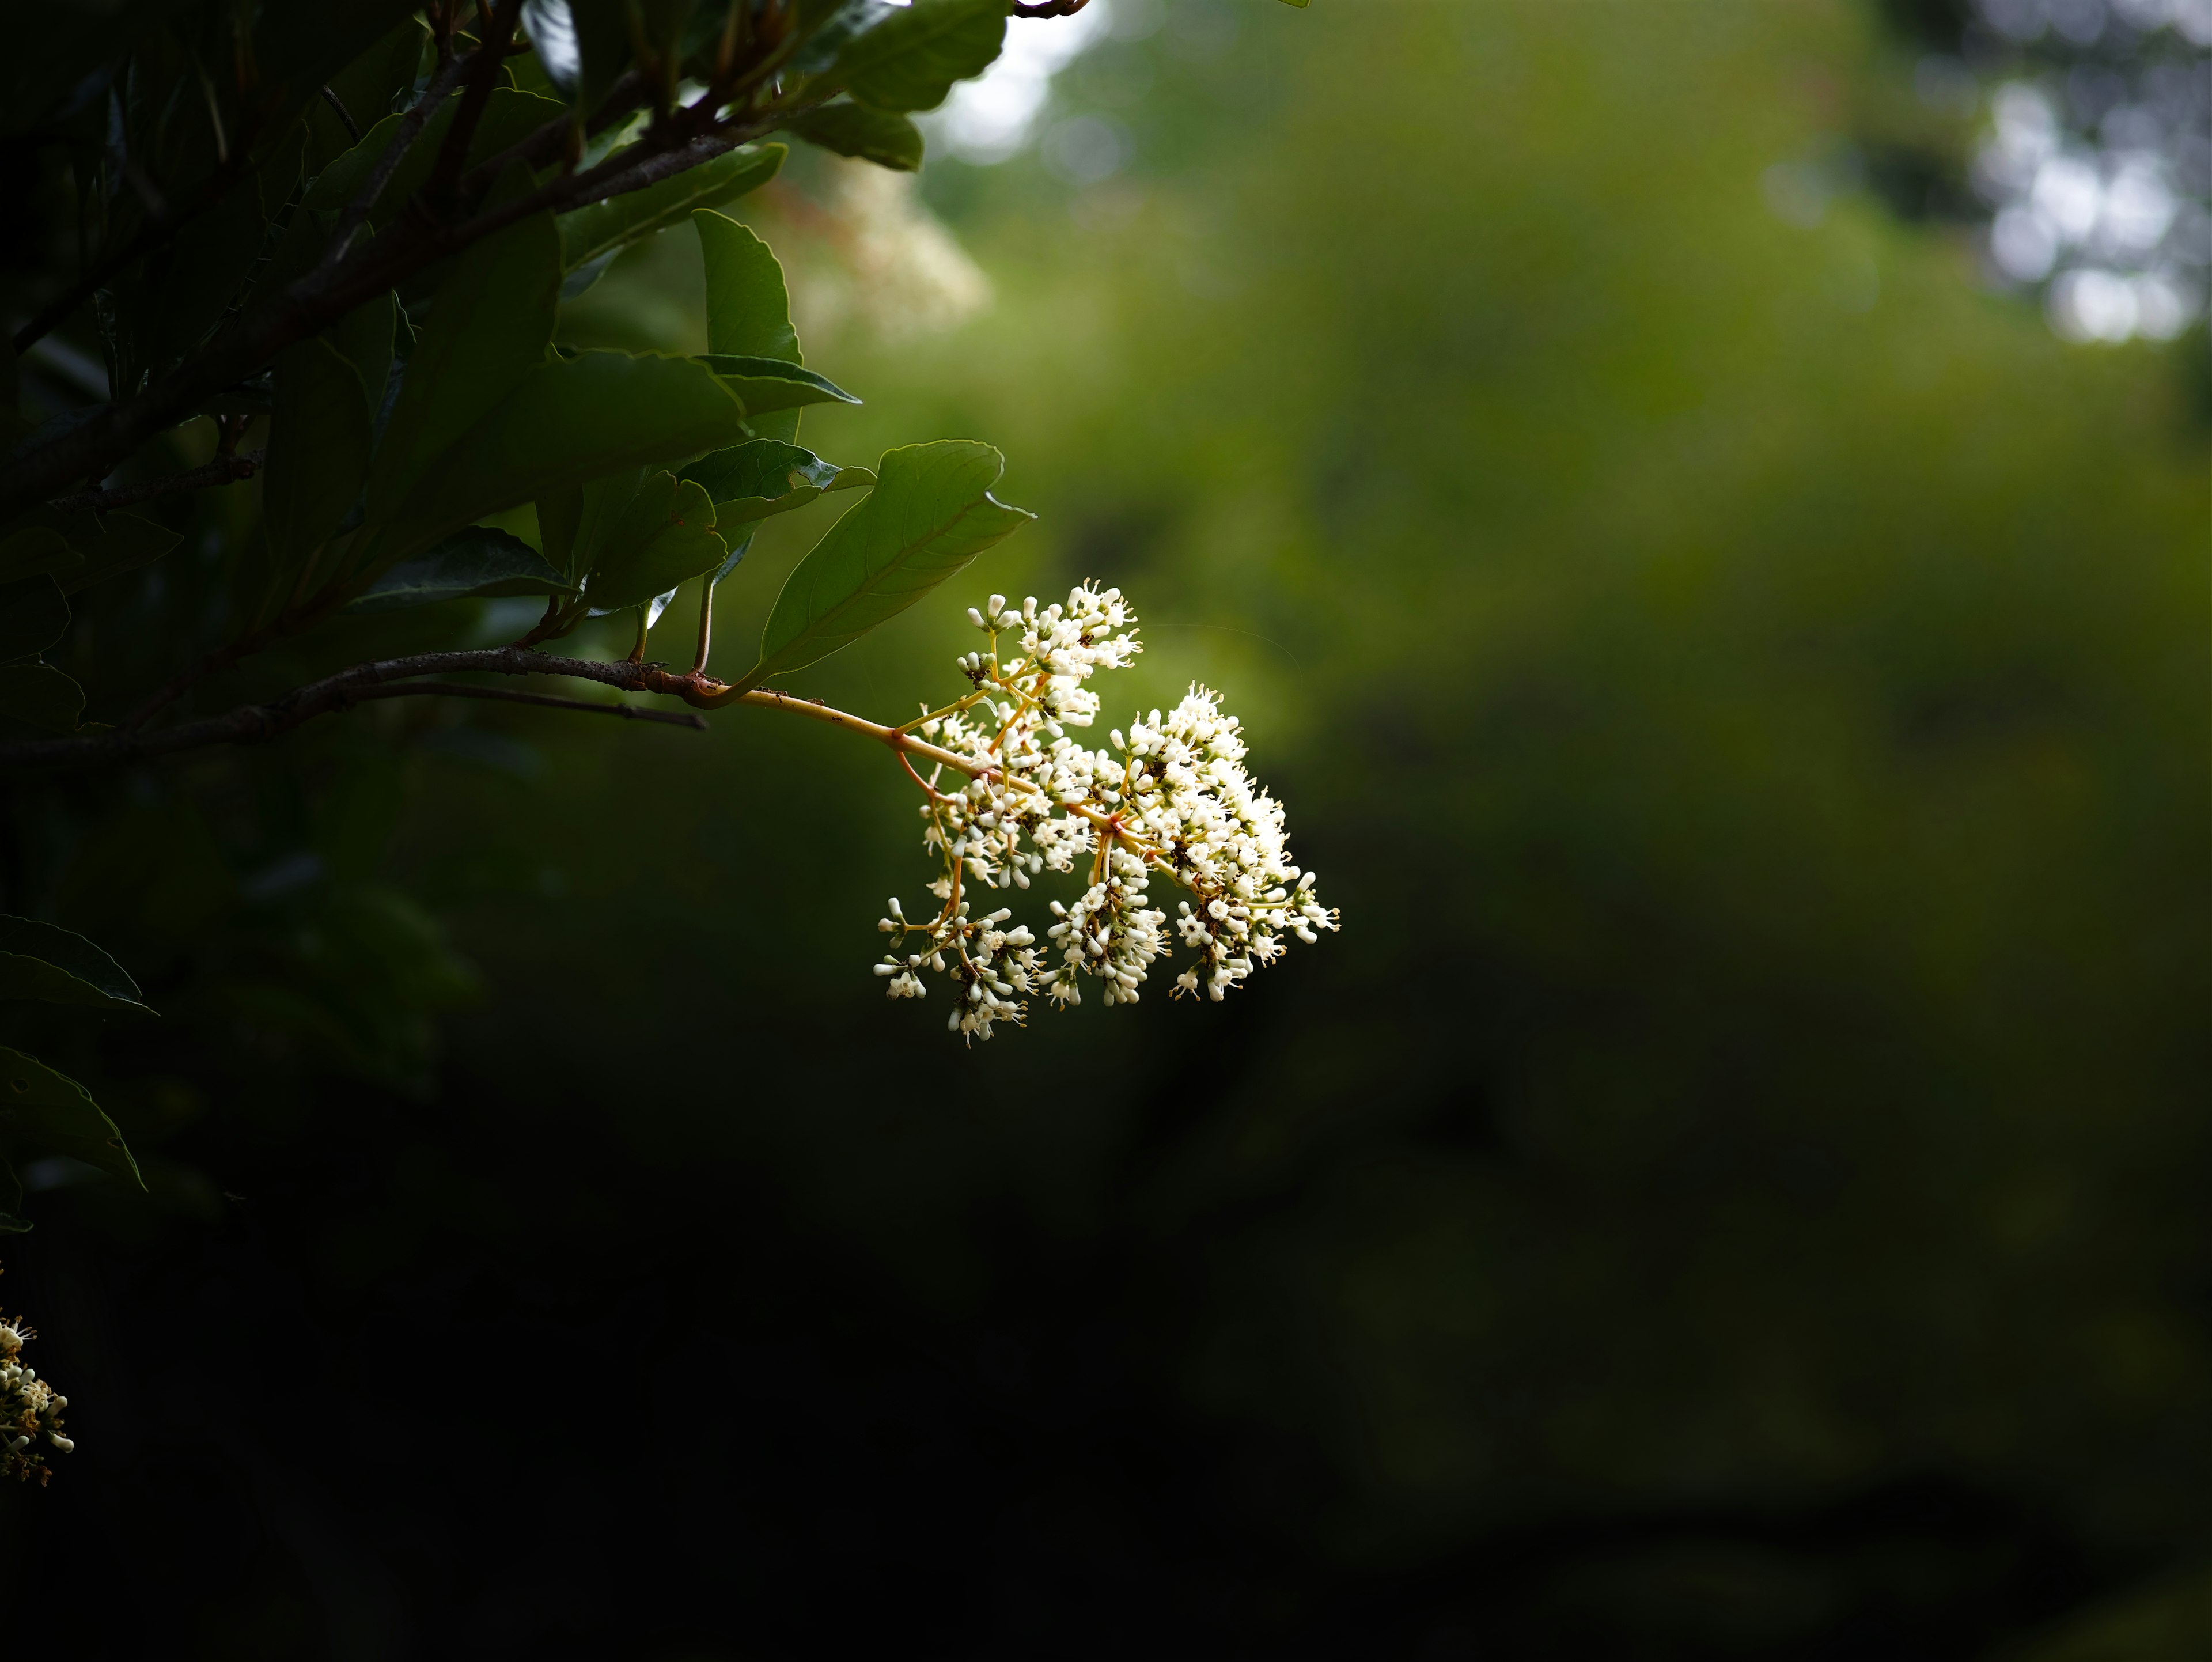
[(41, 695), (663, 535), (910, 59), (768, 386), (44, 961), (319, 448), (568, 420), (930, 513), (882, 136), (748, 306), (39, 551), (480, 563), (736, 556), (488, 328), (39, 1105), (752, 481), (606, 228), (33, 617)]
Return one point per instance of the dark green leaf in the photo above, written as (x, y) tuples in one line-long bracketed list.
[(305, 46), (482, 563), (319, 448), (509, 117), (569, 420), (44, 961), (39, 1105), (748, 306), (488, 328), (663, 535), (767, 385), (11, 1203), (931, 512), (752, 481), (111, 544), (605, 228), (737, 554), (606, 31), (33, 616), (364, 338), (42, 695), (910, 59), (560, 520), (882, 136), (39, 552)]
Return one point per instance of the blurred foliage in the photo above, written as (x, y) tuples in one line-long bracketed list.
[(1731, 1190)]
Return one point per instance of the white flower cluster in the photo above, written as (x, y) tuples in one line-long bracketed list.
[(1170, 797), (29, 1409)]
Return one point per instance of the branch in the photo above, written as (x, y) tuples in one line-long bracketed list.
[(674, 718), (250, 723), (224, 470), (402, 140), (441, 191)]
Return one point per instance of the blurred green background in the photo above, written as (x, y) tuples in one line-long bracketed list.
[(1734, 1188)]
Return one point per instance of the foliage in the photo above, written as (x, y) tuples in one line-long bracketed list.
[(354, 241)]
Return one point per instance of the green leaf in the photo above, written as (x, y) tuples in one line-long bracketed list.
[(568, 421), (607, 30), (111, 544), (930, 513), (489, 326), (605, 228), (319, 448), (33, 616), (882, 136), (910, 59), (560, 521), (42, 695), (364, 338), (748, 306), (44, 961), (663, 535), (769, 385), (509, 117), (11, 1203), (480, 563), (36, 552), (751, 482), (39, 1105)]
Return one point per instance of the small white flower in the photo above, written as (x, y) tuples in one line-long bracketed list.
[(1176, 803)]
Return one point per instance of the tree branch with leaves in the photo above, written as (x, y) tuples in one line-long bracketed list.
[(353, 244)]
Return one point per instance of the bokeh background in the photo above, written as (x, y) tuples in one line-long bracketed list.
[(1735, 1188)]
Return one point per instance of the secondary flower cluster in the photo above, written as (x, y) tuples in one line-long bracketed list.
[(1170, 797), (30, 1409)]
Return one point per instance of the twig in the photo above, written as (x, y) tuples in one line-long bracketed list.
[(674, 718), (249, 723), (1047, 8), (352, 127), (224, 470)]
